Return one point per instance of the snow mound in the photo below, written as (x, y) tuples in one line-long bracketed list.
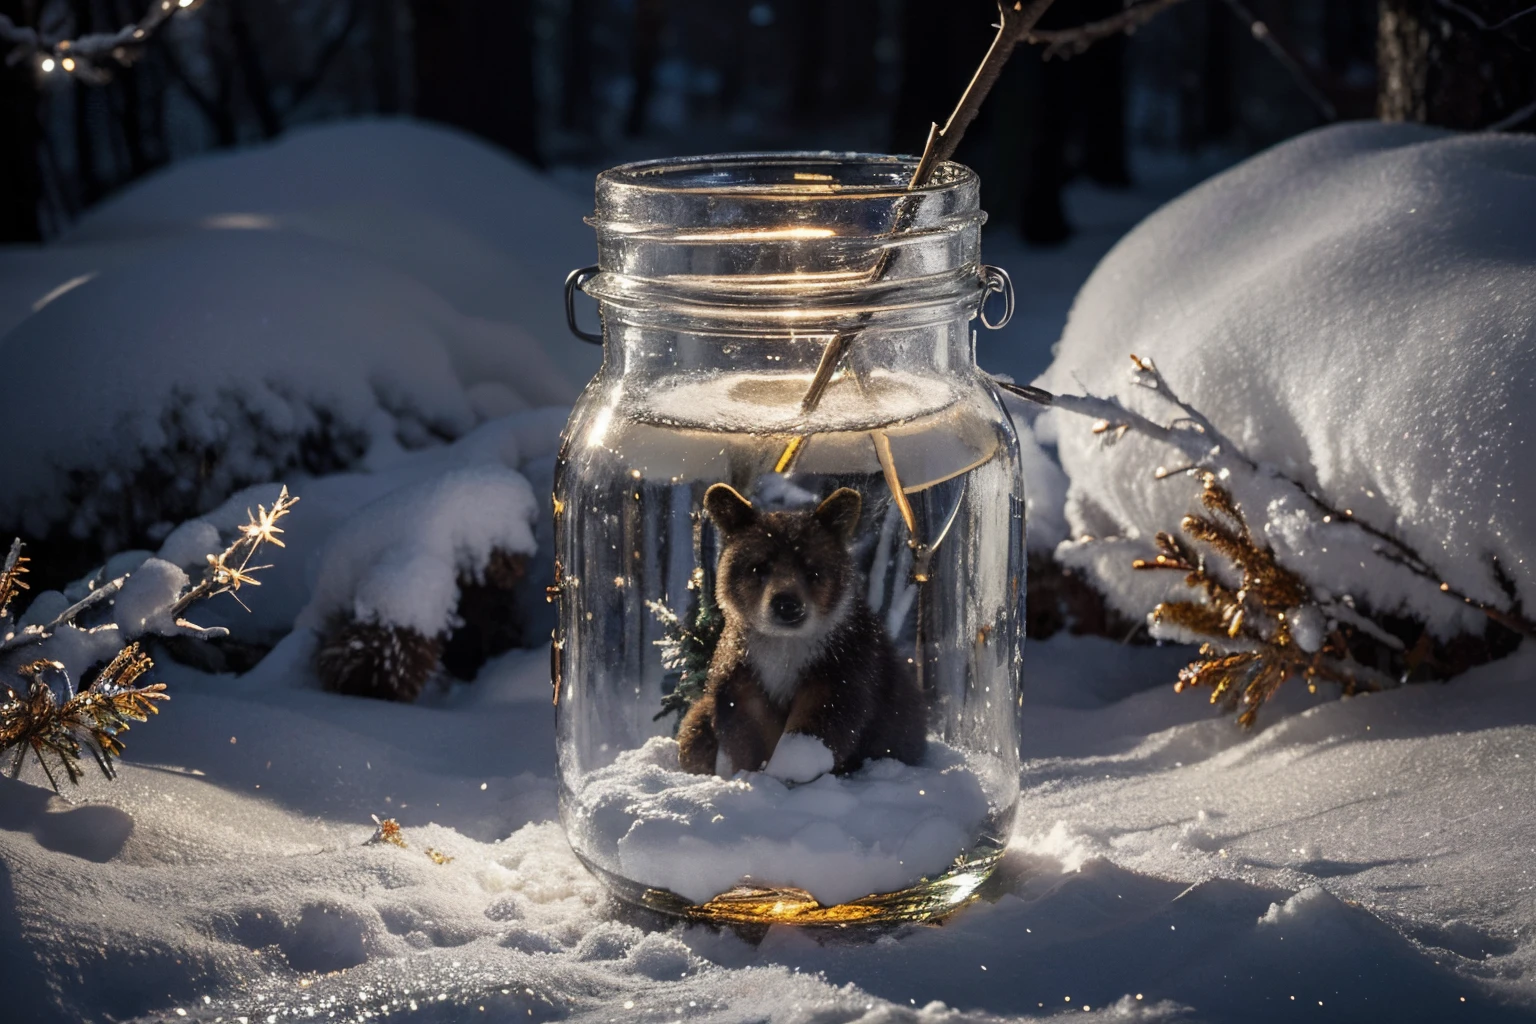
[(798, 757), (489, 234), (1355, 308), (143, 605), (880, 829)]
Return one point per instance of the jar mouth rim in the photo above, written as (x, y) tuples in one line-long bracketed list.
[(798, 175)]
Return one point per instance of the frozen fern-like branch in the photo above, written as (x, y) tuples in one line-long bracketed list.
[(57, 731)]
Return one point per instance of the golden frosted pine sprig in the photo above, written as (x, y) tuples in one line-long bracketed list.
[(1257, 635)]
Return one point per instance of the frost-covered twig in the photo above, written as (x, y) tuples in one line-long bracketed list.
[(231, 568), (37, 633), (84, 55)]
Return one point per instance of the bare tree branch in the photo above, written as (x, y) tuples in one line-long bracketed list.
[(1292, 64), (1069, 42), (1479, 21)]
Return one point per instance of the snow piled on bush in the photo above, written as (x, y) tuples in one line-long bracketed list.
[(388, 542), (285, 308), (1355, 308), (399, 559)]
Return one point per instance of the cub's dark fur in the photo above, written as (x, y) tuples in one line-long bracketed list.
[(801, 652)]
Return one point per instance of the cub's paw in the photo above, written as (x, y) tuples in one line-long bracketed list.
[(799, 757)]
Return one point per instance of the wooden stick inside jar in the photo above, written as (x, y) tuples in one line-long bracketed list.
[(1016, 20)]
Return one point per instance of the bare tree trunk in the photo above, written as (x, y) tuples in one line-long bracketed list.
[(20, 139), (384, 56), (257, 87), (474, 69), (1456, 66), (650, 17), (808, 18), (576, 94)]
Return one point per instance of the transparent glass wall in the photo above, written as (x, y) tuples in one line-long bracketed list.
[(789, 541)]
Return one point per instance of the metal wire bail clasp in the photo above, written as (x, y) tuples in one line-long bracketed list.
[(995, 280), (580, 276)]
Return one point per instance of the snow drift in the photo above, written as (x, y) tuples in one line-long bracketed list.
[(1355, 308)]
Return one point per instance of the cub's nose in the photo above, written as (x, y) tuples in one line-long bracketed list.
[(788, 610)]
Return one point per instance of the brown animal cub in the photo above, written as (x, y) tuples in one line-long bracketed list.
[(805, 679)]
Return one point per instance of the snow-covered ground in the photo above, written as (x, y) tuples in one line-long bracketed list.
[(1368, 859), (1360, 859)]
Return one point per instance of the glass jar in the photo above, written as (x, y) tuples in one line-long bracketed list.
[(789, 546)]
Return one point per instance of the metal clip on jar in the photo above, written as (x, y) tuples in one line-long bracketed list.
[(790, 546)]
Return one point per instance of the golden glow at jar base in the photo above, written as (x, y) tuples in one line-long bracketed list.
[(789, 548)]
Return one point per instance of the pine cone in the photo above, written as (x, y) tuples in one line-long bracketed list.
[(370, 659)]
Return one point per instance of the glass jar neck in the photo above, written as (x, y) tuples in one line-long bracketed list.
[(761, 259)]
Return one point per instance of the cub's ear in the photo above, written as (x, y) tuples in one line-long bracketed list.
[(840, 512), (729, 510)]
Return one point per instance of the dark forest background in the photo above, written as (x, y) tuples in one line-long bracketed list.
[(581, 84)]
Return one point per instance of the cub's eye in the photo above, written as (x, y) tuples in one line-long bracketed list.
[(813, 575), (758, 568)]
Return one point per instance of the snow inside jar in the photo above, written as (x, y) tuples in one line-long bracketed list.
[(789, 547)]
